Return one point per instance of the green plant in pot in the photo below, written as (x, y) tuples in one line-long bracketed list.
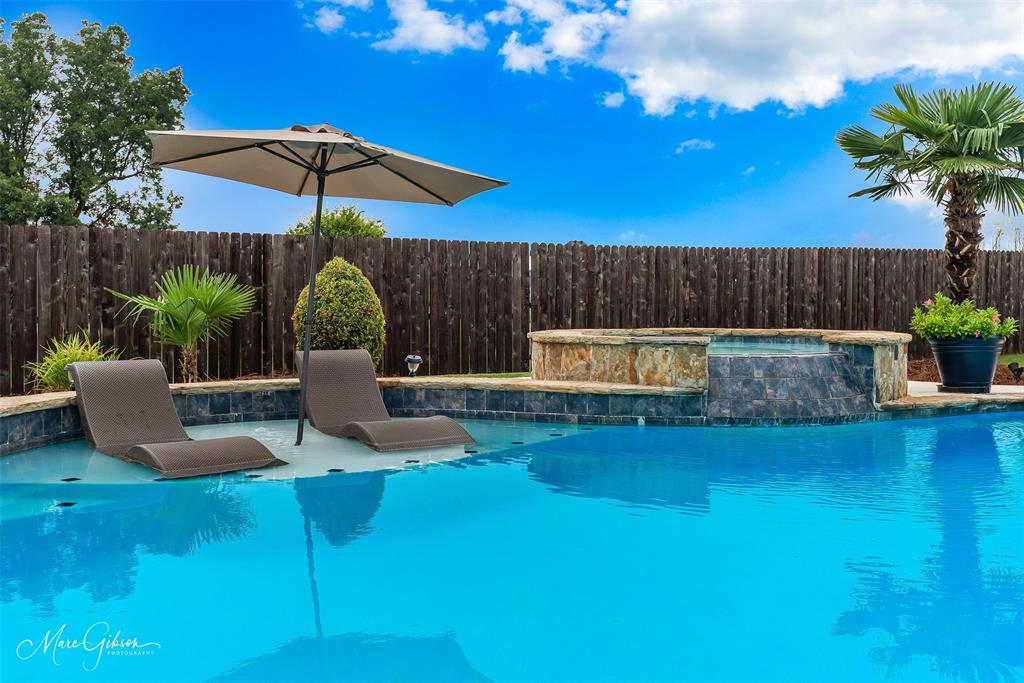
[(966, 341)]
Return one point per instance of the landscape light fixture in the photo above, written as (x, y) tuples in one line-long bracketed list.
[(413, 362)]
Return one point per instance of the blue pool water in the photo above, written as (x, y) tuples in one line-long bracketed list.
[(766, 348), (871, 552)]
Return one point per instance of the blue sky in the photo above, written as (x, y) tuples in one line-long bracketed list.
[(642, 122)]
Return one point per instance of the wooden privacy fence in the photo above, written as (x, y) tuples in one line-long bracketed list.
[(459, 304), (578, 285), (464, 306)]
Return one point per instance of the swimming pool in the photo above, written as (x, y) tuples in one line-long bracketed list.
[(856, 552), (765, 348)]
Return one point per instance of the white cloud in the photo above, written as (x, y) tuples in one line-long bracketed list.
[(796, 53), (613, 100), (521, 57), (631, 236), (510, 16), (694, 144), (749, 170), (917, 201), (567, 34), (357, 4), (428, 30), (328, 19)]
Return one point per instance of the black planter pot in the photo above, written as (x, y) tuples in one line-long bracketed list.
[(967, 365)]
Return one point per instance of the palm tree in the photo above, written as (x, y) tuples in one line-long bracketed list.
[(191, 307), (963, 148)]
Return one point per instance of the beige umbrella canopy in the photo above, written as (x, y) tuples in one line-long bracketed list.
[(291, 160), (315, 160)]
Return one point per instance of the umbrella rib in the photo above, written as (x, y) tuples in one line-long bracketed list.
[(284, 158), (405, 178), (307, 163), (203, 155), (240, 148), (356, 165), (309, 168)]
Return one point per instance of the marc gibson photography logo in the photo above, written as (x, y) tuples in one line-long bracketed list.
[(96, 642)]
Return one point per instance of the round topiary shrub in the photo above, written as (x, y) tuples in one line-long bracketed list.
[(347, 315)]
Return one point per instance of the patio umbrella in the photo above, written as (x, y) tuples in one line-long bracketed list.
[(316, 160)]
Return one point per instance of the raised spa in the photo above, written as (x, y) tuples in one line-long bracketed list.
[(741, 373)]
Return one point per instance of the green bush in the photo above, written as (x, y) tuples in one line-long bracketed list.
[(49, 373), (341, 221), (940, 318), (347, 315)]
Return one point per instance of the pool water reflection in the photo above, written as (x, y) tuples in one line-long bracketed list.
[(857, 552)]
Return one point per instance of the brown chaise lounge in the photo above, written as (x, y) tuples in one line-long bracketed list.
[(127, 412), (343, 399)]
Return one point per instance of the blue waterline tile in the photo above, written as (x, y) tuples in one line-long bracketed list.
[(285, 401), (863, 355), (476, 399), (533, 401), (740, 366), (554, 402), (220, 403), (180, 404), (433, 397), (495, 399), (454, 399), (598, 404), (241, 402), (718, 366), (577, 404), (198, 405)]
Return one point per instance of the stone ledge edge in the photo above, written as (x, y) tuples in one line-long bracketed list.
[(16, 405), (701, 335)]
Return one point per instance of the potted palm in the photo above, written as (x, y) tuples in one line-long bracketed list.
[(191, 307), (962, 148), (966, 341)]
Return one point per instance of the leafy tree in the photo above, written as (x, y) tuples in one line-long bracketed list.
[(27, 83), (79, 100), (965, 148), (191, 307), (341, 221)]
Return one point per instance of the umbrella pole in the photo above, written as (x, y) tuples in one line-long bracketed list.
[(309, 307)]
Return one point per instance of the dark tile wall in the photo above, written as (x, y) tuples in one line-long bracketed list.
[(545, 406), (779, 388), (811, 386), (45, 427), (862, 360)]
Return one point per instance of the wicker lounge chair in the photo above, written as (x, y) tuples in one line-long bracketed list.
[(127, 412), (342, 399)]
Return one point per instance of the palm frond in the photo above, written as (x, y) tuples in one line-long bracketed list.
[(893, 187), (191, 306), (916, 123), (967, 164), (970, 139), (1005, 193)]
